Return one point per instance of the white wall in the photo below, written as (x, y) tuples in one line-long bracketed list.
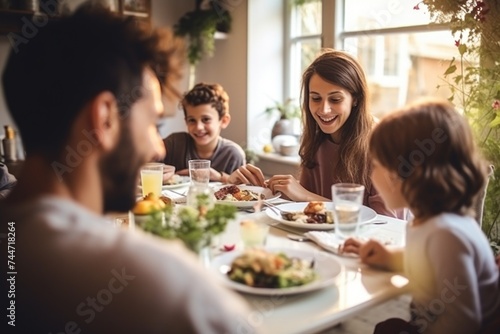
[(265, 67), (249, 65), (228, 67)]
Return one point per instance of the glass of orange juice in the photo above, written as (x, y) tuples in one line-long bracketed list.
[(152, 178), (253, 233)]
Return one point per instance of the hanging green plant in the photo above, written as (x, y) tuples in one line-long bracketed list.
[(199, 26)]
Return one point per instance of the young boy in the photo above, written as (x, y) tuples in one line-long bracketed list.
[(206, 111)]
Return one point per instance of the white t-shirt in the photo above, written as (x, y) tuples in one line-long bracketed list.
[(452, 272), (76, 271)]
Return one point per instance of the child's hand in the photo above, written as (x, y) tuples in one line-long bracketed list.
[(215, 175), (371, 252), (374, 254), (183, 172), (351, 245)]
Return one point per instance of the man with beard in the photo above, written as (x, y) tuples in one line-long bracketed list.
[(85, 93)]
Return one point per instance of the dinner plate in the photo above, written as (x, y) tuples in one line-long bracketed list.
[(183, 181), (326, 266), (268, 196), (367, 214)]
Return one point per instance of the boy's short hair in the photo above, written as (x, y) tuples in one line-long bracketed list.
[(207, 93), (431, 148)]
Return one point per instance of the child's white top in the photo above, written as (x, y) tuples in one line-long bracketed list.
[(453, 275)]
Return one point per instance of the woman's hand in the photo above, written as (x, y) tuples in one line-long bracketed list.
[(292, 189), (247, 174)]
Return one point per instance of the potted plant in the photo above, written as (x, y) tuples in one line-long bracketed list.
[(288, 111), (196, 225), (474, 80), (200, 26)]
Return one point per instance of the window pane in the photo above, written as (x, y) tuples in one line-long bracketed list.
[(307, 18), (303, 54), (381, 14), (402, 67)]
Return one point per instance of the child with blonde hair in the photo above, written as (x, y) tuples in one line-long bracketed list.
[(424, 158)]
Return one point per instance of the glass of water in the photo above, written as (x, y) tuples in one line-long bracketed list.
[(199, 171), (347, 201)]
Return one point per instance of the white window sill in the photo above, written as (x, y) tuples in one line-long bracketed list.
[(274, 164), (275, 157)]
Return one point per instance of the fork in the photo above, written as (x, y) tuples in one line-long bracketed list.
[(284, 214), (177, 193)]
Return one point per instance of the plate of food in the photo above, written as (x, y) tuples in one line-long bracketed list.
[(176, 181), (243, 196), (276, 271), (312, 215)]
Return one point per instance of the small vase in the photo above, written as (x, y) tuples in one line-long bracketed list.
[(282, 127), (202, 249), (205, 256)]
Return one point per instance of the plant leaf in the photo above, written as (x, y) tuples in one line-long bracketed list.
[(462, 48), (495, 122), (450, 70)]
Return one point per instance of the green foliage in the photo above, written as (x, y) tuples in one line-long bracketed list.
[(194, 226), (474, 80), (286, 110), (302, 2), (200, 27), (250, 156)]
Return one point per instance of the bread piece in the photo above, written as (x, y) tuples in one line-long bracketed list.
[(314, 207)]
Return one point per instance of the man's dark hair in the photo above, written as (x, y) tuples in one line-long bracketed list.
[(73, 59)]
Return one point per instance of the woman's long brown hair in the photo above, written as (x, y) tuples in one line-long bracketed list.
[(341, 69)]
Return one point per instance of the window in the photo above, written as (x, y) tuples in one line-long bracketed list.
[(403, 55), (304, 43)]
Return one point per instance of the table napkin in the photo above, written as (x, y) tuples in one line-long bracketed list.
[(327, 240), (332, 243)]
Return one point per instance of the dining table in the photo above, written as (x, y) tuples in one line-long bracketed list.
[(355, 289)]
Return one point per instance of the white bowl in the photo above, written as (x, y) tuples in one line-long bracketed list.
[(289, 149), (284, 140)]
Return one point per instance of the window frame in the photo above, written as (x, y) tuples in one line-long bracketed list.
[(333, 36)]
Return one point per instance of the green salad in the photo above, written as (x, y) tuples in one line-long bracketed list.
[(262, 269)]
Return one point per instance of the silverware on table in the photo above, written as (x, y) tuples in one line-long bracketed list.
[(296, 237)]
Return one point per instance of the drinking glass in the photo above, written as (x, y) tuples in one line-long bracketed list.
[(199, 171), (347, 201), (152, 178), (253, 233)]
